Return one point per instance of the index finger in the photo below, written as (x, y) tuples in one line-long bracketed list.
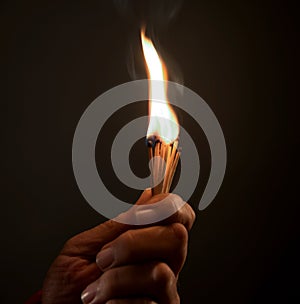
[(161, 209)]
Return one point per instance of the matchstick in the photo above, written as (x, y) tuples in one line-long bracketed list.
[(169, 153)]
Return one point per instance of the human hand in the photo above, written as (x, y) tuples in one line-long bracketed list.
[(143, 257)]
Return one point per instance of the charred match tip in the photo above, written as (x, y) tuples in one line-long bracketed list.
[(151, 141)]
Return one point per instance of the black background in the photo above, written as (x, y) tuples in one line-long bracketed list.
[(240, 56)]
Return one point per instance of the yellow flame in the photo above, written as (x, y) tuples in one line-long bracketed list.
[(163, 122)]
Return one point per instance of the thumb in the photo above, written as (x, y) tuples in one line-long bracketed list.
[(90, 242)]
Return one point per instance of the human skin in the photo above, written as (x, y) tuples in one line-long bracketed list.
[(117, 263)]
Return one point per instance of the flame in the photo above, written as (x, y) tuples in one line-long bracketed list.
[(163, 122)]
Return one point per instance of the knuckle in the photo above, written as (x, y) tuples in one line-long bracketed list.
[(127, 238), (180, 232), (186, 216), (109, 280), (125, 244), (70, 242), (179, 247), (162, 275), (192, 216), (123, 247)]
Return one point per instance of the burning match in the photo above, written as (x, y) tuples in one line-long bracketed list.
[(163, 126)]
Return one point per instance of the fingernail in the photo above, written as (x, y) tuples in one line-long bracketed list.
[(88, 294), (105, 258)]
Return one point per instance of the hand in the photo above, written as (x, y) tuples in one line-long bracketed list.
[(75, 267)]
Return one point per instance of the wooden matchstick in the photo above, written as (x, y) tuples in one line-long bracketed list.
[(163, 172)]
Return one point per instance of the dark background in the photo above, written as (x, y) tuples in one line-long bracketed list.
[(240, 56)]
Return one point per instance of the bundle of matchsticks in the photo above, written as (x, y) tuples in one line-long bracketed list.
[(163, 161)]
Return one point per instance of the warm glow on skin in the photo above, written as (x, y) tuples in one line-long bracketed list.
[(166, 129)]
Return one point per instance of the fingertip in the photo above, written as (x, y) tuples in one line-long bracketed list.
[(176, 199)]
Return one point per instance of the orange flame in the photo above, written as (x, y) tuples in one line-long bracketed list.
[(163, 122)]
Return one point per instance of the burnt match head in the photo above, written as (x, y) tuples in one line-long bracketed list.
[(151, 141)]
